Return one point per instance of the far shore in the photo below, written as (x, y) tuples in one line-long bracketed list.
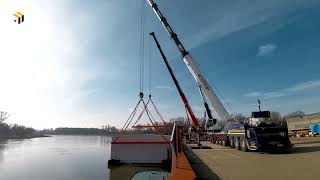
[(42, 135), (111, 135), (22, 137)]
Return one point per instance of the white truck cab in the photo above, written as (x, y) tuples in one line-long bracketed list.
[(259, 117)]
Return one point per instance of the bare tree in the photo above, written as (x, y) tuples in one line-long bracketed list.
[(239, 118), (296, 114), (182, 122), (3, 116), (276, 118)]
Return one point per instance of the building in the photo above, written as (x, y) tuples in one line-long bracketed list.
[(303, 122)]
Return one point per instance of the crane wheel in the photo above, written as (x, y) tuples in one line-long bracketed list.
[(243, 144), (231, 139), (224, 142), (236, 143)]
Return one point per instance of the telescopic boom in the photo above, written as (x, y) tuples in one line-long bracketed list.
[(203, 84)]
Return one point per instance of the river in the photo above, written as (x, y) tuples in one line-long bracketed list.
[(55, 158)]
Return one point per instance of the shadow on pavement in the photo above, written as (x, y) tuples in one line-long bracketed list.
[(307, 142), (307, 149), (202, 171), (295, 150)]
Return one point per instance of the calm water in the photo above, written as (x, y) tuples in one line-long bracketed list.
[(55, 158)]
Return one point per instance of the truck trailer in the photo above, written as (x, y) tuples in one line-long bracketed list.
[(254, 134)]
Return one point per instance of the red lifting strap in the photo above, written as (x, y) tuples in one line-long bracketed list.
[(151, 119)]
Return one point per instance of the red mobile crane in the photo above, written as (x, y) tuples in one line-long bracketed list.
[(205, 89), (254, 134)]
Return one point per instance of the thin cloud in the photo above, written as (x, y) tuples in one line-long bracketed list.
[(300, 87), (165, 87), (228, 19), (271, 95), (304, 86), (265, 95), (266, 49), (253, 94)]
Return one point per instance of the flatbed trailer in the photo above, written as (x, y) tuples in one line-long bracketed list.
[(303, 132), (312, 131)]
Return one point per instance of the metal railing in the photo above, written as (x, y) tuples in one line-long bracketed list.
[(175, 140)]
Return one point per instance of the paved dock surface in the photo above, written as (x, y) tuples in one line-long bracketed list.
[(301, 162)]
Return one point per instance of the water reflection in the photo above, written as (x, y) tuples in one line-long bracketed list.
[(58, 157), (3, 143)]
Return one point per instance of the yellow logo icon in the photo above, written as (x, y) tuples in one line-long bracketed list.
[(19, 17)]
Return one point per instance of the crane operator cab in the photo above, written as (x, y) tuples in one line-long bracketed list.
[(259, 117)]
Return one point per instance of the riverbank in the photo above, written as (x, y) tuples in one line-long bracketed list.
[(22, 136)]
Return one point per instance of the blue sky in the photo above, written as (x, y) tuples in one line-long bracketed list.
[(80, 65)]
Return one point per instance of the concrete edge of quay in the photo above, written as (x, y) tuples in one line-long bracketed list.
[(200, 168)]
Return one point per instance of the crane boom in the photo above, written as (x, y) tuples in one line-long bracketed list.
[(183, 97), (192, 66)]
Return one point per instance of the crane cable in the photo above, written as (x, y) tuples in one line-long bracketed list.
[(141, 101), (150, 57), (150, 65), (142, 48)]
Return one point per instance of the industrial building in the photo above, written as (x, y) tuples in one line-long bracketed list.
[(303, 122)]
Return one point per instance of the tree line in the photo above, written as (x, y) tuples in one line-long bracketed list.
[(19, 131), (14, 130), (105, 130)]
